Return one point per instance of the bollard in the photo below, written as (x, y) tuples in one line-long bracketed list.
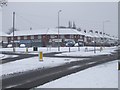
[(101, 49), (26, 50), (14, 49), (78, 48), (40, 56), (86, 49), (69, 49)]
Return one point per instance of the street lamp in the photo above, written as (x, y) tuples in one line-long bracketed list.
[(58, 29), (94, 42), (13, 30), (104, 30)]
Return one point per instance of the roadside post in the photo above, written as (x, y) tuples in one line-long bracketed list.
[(26, 50), (94, 47), (101, 48), (40, 56), (69, 48), (86, 49), (78, 48)]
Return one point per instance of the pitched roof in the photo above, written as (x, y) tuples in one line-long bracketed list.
[(47, 31)]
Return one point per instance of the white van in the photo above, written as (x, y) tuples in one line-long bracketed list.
[(22, 45)]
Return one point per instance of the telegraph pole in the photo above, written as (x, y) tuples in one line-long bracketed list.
[(13, 31)]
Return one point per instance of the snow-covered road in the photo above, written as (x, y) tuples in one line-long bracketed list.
[(32, 64)]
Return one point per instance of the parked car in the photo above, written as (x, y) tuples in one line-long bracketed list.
[(70, 43), (79, 44), (22, 45), (9, 45)]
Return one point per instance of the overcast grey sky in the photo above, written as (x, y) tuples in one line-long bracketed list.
[(86, 15)]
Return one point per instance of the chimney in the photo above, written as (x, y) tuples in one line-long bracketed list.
[(96, 32), (84, 31), (100, 32), (91, 31)]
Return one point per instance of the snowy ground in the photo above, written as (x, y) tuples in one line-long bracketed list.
[(54, 49), (89, 53), (2, 56), (33, 63), (102, 76), (106, 50)]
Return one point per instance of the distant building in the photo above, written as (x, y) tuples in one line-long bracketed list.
[(46, 37), (3, 39), (49, 37)]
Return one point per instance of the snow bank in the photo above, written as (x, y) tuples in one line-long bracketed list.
[(102, 76)]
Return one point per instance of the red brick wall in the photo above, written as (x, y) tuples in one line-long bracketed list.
[(21, 37), (28, 37), (35, 36), (67, 36), (15, 37)]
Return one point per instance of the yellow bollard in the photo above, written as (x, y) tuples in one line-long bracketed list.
[(40, 56)]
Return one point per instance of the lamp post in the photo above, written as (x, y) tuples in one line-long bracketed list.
[(13, 30), (104, 31), (94, 42), (58, 29)]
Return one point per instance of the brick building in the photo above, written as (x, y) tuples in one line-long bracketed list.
[(46, 37), (49, 37)]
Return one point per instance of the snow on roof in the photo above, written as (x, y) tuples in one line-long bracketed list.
[(111, 37), (98, 35), (93, 35), (3, 33), (86, 34), (47, 31), (106, 36)]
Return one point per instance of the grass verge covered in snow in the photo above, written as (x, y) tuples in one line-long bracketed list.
[(32, 64), (101, 76)]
